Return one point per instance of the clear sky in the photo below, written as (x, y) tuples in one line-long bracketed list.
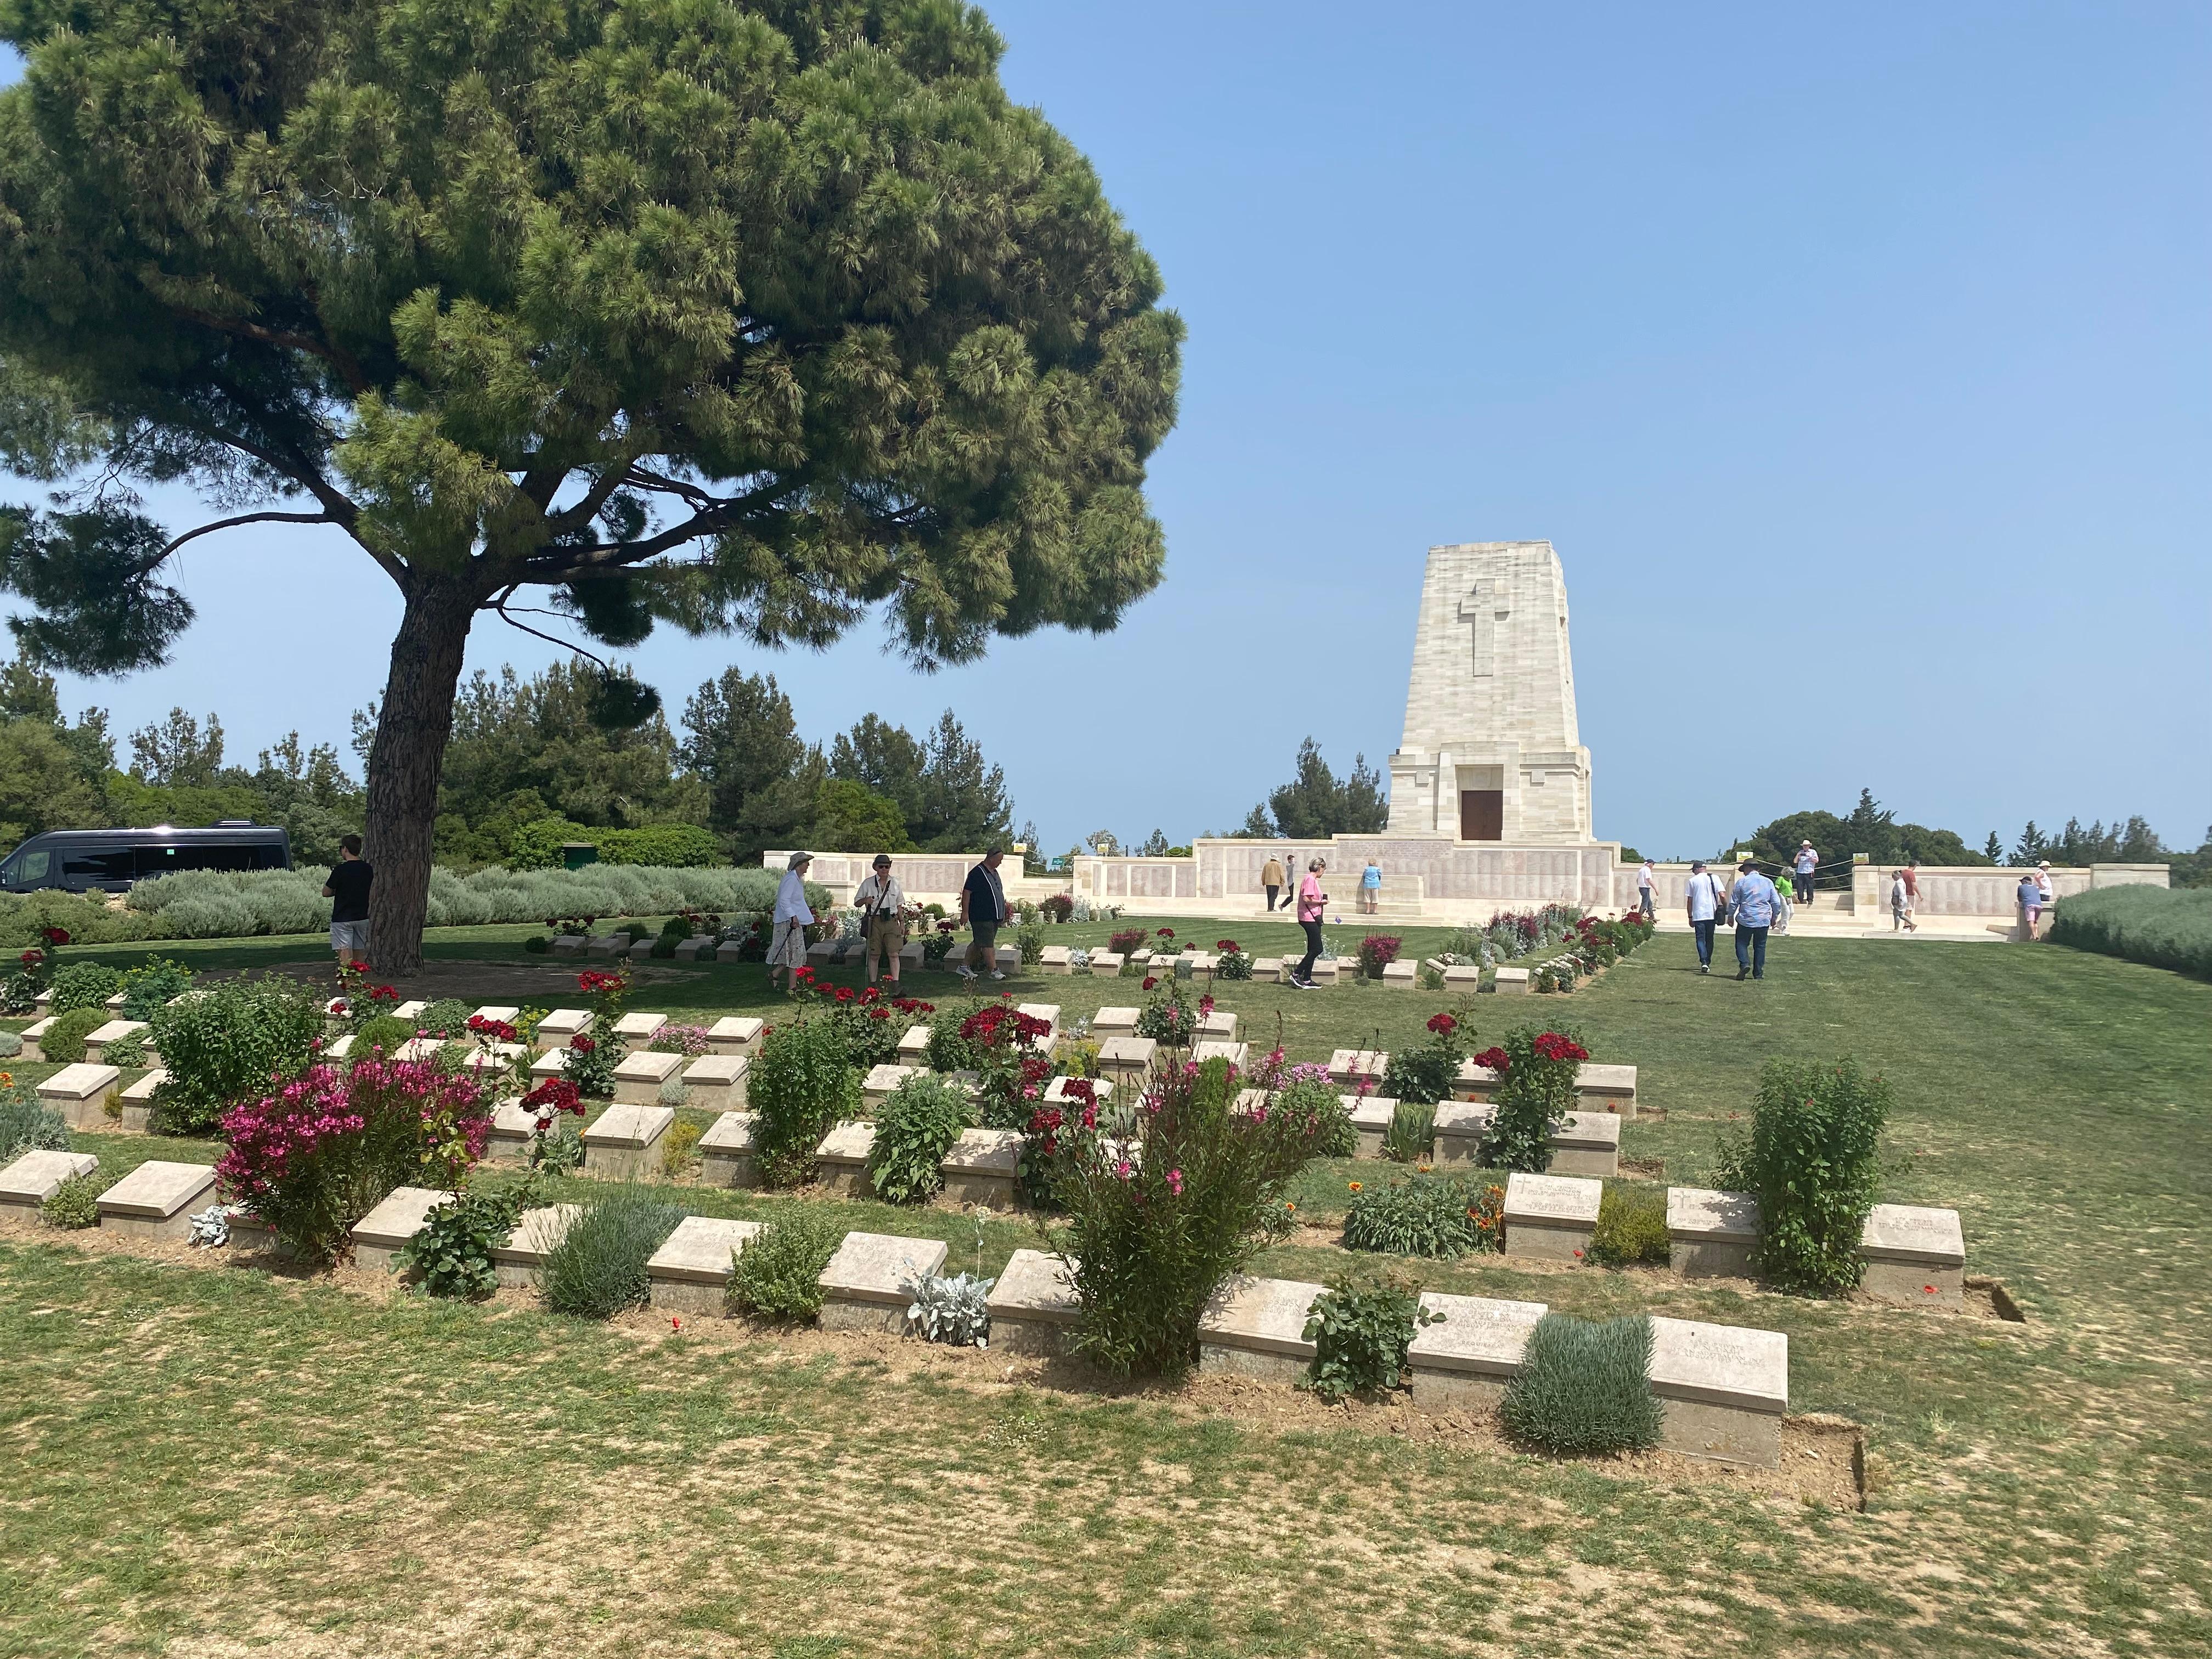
[(1859, 364)]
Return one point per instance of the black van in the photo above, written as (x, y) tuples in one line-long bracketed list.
[(109, 860)]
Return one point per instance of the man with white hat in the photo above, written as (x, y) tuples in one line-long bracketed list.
[(787, 945), (1804, 863)]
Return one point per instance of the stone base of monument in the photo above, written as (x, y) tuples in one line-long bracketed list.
[(624, 1142), (1914, 1257), (1033, 1306), (1256, 1328), (1723, 1390), (1465, 1363), (1712, 1233), (728, 1155), (157, 1200), (861, 1286), (1550, 1218), (691, 1273)]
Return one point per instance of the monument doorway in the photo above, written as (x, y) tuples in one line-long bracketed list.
[(1482, 815)]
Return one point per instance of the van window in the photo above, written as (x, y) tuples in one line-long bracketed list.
[(158, 860), (96, 864), (31, 866)]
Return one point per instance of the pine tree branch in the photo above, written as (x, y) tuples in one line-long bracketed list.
[(244, 518)]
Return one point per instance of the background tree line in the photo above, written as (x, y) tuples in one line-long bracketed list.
[(530, 766)]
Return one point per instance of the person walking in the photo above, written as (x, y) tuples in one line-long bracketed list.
[(2030, 898), (1805, 863), (983, 907), (787, 947), (348, 892), (1312, 902), (1753, 903), (1901, 904), (882, 904), (1785, 896), (1271, 878), (1910, 875), (1701, 901), (1644, 879), (2046, 894), (1371, 890)]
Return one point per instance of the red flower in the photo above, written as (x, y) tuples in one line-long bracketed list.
[(56, 936), (583, 1045), (1149, 983), (556, 1094), (1226, 947), (32, 958), (1167, 933), (1442, 1025), (843, 994), (1552, 1046), (1496, 1058)]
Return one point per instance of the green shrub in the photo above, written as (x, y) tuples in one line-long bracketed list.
[(24, 918), (536, 845), (778, 1275), (801, 1084), (591, 1063), (1156, 1227), (63, 1043), (1811, 1160), (1413, 1132), (381, 1031), (1310, 1101), (669, 846), (597, 1269), (126, 1053), (916, 1127), (1029, 937), (74, 1205), (1440, 1215), (1631, 1227), (1360, 1333), (27, 1124), (452, 1251), (2158, 927), (1535, 1092), (448, 1018), (948, 1051), (151, 984), (1584, 1387), (83, 985), (10, 1045), (224, 1045), (1425, 1072)]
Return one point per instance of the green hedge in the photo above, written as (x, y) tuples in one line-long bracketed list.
[(2159, 927)]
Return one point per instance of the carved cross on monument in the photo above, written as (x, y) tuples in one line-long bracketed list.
[(1483, 608)]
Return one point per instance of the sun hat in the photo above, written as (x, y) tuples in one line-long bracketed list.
[(798, 859)]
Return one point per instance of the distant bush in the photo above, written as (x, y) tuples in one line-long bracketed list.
[(63, 1043), (1631, 1227), (25, 916), (668, 846), (27, 1124), (778, 1275), (536, 845), (152, 984), (1812, 1161), (1584, 1387), (225, 1045), (83, 985), (597, 1269), (2158, 927)]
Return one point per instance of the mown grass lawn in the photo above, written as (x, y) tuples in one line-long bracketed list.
[(216, 1461)]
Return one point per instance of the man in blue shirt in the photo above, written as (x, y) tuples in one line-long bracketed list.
[(1701, 903), (1756, 904)]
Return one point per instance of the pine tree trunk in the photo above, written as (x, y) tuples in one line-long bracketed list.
[(403, 767)]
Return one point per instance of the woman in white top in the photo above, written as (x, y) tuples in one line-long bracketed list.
[(881, 903), (787, 947)]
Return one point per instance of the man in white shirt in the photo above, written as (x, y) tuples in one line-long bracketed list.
[(1643, 880), (786, 948), (1804, 863), (1701, 898)]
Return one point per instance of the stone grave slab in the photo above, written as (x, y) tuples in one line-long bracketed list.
[(608, 945), (861, 1287), (1723, 1390), (512, 1126), (1713, 1234), (412, 1009), (736, 1034), (1462, 1127), (79, 1093), (1238, 1055), (1033, 1306), (138, 1096), (1327, 970), (881, 1082), (1587, 1144), (33, 1178), (913, 1046), (553, 1063), (114, 1004), (983, 1167), (1256, 1328), (691, 1273), (1198, 965), (1128, 1060), (1465, 1363), (912, 956), (1474, 1082), (1370, 1118), (31, 1035), (340, 1047), (730, 949), (493, 1059), (1464, 976), (569, 945), (1056, 1090), (1606, 1089), (1219, 1026), (1113, 1021), (638, 1075), (517, 1261), (114, 1030), (1047, 1011), (841, 1162), (694, 948), (1268, 970), (719, 1083), (1349, 1067), (156, 1199), (497, 1014), (1053, 961), (635, 1030), (1008, 959), (378, 1236), (1106, 964), (558, 1028), (418, 1049), (1550, 1218), (728, 1154), (1399, 976), (1914, 1257), (624, 1142), (1512, 981)]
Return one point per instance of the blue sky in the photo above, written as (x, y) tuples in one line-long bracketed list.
[(1859, 365)]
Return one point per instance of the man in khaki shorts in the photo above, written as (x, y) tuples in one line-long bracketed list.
[(882, 904)]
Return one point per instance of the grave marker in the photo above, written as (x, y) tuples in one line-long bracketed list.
[(1465, 1363), (1034, 1306), (728, 1154), (1550, 1218), (156, 1199), (862, 1286), (623, 1142), (1256, 1328), (691, 1273)]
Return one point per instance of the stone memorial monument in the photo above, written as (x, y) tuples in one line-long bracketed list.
[(1490, 752)]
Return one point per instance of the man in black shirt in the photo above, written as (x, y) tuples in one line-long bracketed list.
[(983, 907), (348, 892)]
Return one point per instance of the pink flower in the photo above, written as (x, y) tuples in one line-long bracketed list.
[(1175, 1185)]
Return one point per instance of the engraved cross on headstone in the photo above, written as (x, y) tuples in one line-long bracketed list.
[(1483, 608)]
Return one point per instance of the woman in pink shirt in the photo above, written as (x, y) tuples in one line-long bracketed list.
[(1311, 902)]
